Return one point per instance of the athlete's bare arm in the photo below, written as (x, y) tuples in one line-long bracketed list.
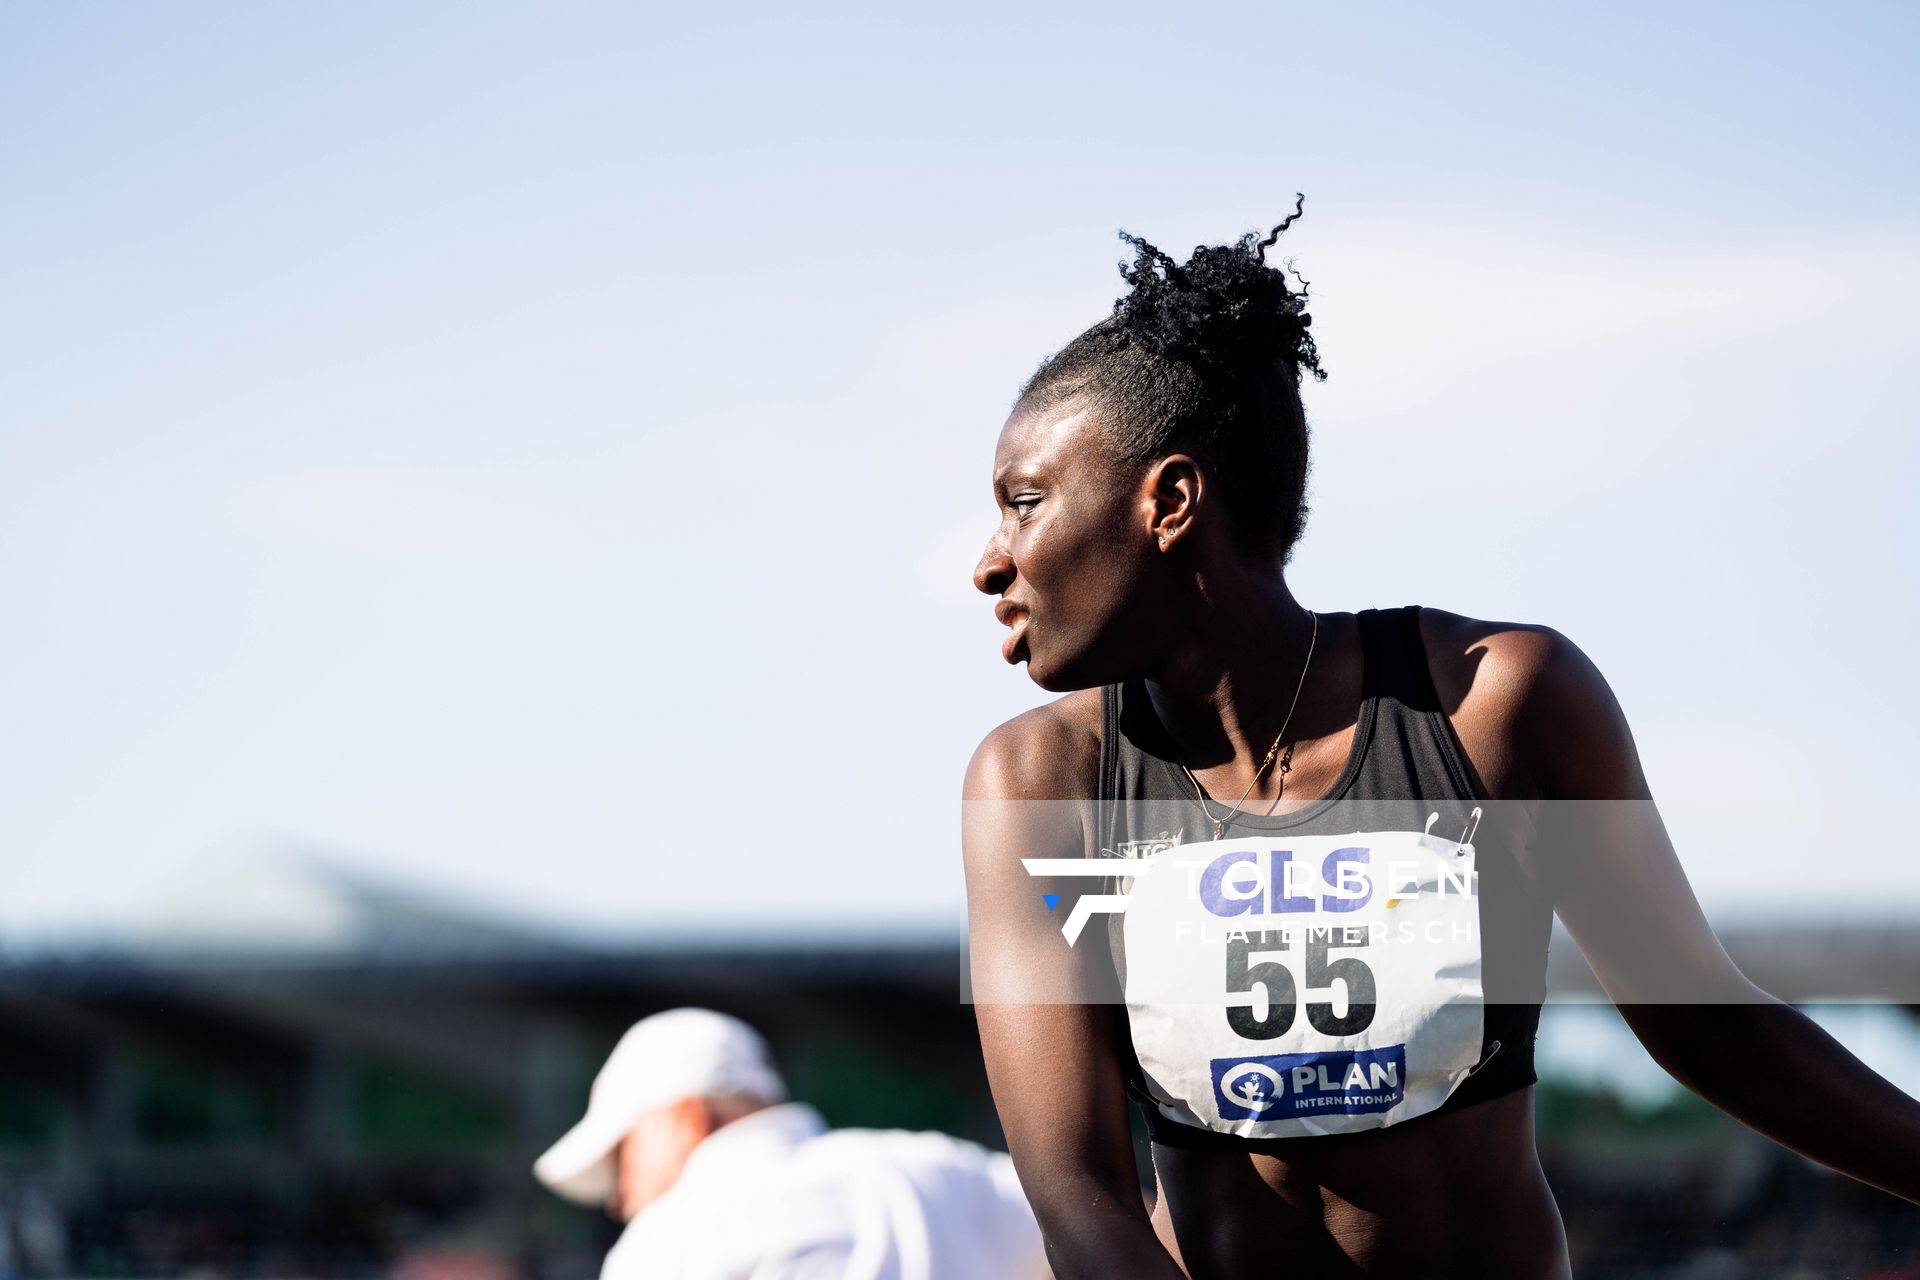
[(1532, 707), (1055, 1076)]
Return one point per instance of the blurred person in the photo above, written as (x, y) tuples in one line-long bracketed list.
[(690, 1138), (1151, 485), (33, 1231)]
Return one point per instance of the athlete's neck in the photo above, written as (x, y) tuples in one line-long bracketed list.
[(1224, 686)]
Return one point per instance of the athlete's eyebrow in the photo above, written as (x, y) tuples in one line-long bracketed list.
[(1008, 474)]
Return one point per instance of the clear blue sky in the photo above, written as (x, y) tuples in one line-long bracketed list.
[(539, 450)]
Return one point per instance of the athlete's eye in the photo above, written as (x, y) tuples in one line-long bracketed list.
[(1023, 504)]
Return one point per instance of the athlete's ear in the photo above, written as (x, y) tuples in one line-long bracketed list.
[(1172, 495)]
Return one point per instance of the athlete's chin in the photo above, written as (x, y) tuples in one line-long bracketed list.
[(1058, 677)]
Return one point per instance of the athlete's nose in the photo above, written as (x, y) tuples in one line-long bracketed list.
[(994, 573)]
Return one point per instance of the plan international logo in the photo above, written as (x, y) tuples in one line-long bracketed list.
[(1282, 1086)]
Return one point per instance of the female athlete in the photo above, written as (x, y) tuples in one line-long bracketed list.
[(1351, 1103)]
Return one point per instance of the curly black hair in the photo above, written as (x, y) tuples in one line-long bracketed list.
[(1208, 356)]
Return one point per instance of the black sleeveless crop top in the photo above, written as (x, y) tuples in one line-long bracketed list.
[(1405, 766)]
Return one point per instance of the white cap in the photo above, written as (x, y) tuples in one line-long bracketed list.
[(677, 1054)]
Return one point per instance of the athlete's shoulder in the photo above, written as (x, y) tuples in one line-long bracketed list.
[(1498, 661), (1051, 752), (1533, 710)]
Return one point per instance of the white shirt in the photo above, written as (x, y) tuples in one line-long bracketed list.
[(775, 1195)]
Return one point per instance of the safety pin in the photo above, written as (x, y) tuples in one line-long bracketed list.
[(1465, 841), (1473, 825)]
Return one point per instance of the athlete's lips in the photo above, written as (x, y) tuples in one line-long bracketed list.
[(1016, 639), (1010, 614)]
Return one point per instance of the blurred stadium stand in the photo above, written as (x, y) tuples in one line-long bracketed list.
[(293, 1070)]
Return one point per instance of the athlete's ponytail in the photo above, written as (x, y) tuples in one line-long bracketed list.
[(1206, 354), (1224, 307)]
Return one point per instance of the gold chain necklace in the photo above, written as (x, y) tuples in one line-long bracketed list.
[(1286, 766)]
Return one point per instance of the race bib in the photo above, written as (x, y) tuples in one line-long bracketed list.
[(1282, 986)]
